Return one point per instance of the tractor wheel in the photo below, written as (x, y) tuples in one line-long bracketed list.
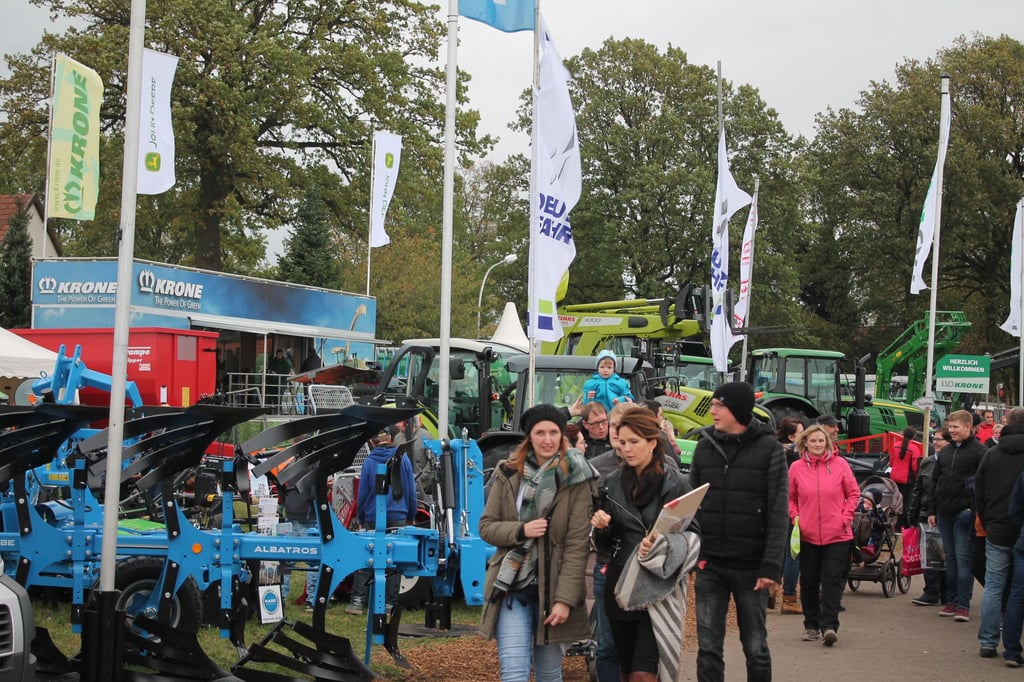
[(414, 592), (136, 579), (782, 411)]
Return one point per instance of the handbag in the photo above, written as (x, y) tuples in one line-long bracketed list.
[(911, 563), (933, 556), (794, 539)]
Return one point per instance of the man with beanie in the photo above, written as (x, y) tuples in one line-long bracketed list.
[(743, 520)]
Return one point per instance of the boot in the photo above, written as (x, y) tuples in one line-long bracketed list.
[(790, 604)]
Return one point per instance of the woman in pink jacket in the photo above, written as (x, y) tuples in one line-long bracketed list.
[(823, 495)]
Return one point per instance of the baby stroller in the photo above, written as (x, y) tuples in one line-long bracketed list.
[(874, 537)]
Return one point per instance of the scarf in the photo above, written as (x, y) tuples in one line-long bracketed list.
[(641, 489), (657, 583)]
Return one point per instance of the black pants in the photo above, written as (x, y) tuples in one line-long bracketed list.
[(823, 572)]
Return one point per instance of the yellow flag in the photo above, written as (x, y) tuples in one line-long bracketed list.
[(74, 172)]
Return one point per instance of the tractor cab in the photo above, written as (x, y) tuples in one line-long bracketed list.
[(792, 382)]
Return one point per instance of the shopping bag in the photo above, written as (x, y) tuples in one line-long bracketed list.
[(932, 555), (911, 564), (794, 539)]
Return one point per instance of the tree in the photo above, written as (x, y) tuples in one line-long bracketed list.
[(268, 94), (16, 264), (873, 167), (310, 253), (648, 130)]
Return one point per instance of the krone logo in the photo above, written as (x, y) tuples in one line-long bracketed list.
[(389, 160), (153, 161), (146, 281), (47, 285)]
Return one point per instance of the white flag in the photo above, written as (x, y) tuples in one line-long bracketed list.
[(387, 155), (1012, 324), (728, 199), (156, 132), (559, 184), (926, 233), (746, 264)]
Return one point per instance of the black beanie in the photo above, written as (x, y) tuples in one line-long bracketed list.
[(738, 396), (542, 413)]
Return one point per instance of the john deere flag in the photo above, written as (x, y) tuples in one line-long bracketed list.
[(387, 155), (156, 134), (505, 15), (74, 171)]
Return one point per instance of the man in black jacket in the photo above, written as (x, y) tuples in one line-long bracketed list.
[(997, 473), (743, 523), (950, 508)]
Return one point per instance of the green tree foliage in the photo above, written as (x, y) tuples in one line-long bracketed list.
[(268, 95), (871, 172), (648, 129), (310, 255), (16, 264)]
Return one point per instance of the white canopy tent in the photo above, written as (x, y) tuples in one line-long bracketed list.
[(21, 359)]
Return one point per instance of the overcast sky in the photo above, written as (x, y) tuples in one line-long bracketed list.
[(802, 55)]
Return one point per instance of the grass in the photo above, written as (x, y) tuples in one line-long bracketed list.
[(56, 619)]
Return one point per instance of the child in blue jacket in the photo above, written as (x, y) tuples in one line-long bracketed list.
[(606, 386)]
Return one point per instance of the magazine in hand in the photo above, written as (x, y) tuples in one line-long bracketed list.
[(679, 512)]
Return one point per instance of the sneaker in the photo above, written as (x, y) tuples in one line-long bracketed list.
[(829, 638), (962, 615), (948, 611), (925, 601), (985, 652), (810, 635), (354, 608), (309, 608), (1014, 662)]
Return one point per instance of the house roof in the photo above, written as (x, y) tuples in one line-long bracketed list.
[(9, 206)]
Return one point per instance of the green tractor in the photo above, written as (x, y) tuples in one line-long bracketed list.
[(806, 384)]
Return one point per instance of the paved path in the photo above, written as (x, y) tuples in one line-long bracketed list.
[(879, 639)]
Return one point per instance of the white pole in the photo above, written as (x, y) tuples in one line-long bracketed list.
[(534, 209), (369, 239), (126, 253), (943, 139), (750, 286), (721, 130), (1020, 329), (448, 210)]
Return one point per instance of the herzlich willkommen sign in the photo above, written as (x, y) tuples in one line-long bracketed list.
[(963, 374)]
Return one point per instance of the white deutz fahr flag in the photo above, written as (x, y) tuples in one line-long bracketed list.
[(728, 199), (387, 155), (926, 233), (746, 265), (156, 132), (559, 185), (1013, 322)]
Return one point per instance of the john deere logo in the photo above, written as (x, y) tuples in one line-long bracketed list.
[(389, 160), (153, 161)]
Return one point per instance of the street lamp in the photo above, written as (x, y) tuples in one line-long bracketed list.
[(507, 260)]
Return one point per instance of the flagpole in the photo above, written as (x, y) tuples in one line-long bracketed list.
[(49, 152), (940, 163), (721, 131), (369, 240), (1020, 320), (750, 285), (448, 210), (532, 316)]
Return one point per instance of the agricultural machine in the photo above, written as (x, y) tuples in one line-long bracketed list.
[(165, 568)]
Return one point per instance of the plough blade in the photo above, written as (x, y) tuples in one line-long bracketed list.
[(306, 651), (167, 652)]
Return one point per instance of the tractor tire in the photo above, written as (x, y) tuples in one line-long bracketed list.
[(136, 578), (414, 592), (779, 412)]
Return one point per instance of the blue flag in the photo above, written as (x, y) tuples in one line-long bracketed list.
[(505, 15)]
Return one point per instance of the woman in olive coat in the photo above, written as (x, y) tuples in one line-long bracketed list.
[(538, 517)]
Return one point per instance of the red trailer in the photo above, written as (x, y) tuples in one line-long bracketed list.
[(176, 366)]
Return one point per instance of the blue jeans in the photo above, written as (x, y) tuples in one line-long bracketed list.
[(998, 564), (607, 655), (956, 530), (301, 529), (1013, 621), (713, 587), (790, 568), (515, 632)]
